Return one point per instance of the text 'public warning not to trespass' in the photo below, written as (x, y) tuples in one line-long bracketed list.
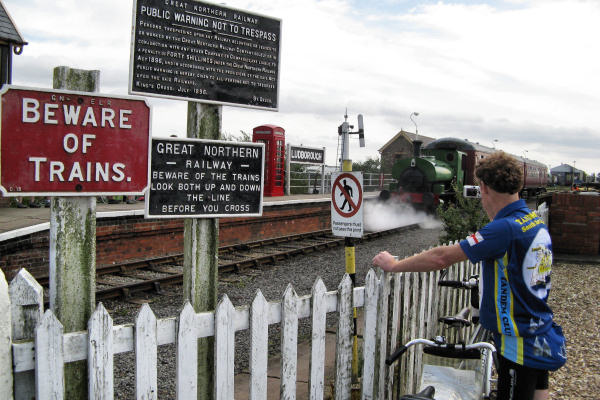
[(205, 178)]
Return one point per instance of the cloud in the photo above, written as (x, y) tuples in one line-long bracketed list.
[(522, 72)]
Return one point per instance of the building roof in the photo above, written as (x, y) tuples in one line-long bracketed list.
[(564, 168), (409, 136), (8, 30)]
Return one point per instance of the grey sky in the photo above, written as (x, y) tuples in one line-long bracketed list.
[(522, 72)]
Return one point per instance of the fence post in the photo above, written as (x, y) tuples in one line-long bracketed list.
[(187, 354), (289, 343), (49, 358), (259, 343), (394, 326), (370, 334), (146, 354), (382, 333), (6, 377), (344, 339), (26, 309), (317, 355), (100, 354), (225, 357)]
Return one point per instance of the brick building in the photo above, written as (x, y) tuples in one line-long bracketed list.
[(400, 146)]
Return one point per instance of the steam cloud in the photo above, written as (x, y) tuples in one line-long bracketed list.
[(391, 214)]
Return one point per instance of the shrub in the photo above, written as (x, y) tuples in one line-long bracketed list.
[(461, 218)]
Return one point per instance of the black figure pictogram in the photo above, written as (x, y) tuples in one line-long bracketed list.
[(347, 189)]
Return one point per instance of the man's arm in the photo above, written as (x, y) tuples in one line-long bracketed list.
[(430, 260)]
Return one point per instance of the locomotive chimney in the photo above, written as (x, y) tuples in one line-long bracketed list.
[(417, 148)]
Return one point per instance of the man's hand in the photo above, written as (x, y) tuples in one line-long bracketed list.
[(385, 261)]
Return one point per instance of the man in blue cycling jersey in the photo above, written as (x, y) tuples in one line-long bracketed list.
[(515, 252)]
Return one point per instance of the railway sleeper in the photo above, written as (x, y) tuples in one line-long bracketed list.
[(126, 293)]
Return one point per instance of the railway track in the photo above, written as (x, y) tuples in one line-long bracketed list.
[(125, 280)]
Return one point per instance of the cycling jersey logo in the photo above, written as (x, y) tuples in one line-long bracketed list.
[(534, 325), (537, 264), (474, 239), (541, 348)]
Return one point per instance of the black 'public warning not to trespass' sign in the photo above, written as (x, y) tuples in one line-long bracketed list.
[(204, 178), (192, 50)]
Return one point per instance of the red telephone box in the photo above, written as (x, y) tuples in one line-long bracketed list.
[(274, 139)]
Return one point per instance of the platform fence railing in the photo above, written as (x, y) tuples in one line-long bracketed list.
[(394, 308), (312, 182)]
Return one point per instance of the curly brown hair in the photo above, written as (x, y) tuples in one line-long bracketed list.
[(501, 172)]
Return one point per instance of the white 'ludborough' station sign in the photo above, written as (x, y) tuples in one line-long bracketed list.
[(307, 155)]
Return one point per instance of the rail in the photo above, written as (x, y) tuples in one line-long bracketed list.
[(126, 279)]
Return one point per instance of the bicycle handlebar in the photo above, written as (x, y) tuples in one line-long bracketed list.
[(452, 284), (469, 284), (444, 347)]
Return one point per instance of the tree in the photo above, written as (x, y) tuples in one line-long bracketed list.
[(371, 165), (462, 218), (242, 137)]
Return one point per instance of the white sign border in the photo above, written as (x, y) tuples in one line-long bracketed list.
[(147, 214), (335, 216)]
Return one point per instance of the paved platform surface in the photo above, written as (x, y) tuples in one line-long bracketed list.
[(12, 218)]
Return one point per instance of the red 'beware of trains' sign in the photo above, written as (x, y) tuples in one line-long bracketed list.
[(69, 143)]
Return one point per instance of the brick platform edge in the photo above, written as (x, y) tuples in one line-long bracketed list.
[(575, 223), (133, 237)]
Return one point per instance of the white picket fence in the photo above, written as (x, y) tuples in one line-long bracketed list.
[(394, 307)]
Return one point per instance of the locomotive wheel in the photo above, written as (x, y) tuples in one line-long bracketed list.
[(384, 195), (428, 201)]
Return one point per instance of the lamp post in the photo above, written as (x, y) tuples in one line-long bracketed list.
[(416, 114), (525, 153), (495, 141)]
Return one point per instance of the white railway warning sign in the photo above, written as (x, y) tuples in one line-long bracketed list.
[(346, 204)]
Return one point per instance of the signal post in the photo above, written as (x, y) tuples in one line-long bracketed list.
[(346, 216)]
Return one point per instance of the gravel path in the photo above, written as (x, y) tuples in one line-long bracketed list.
[(579, 379), (575, 300)]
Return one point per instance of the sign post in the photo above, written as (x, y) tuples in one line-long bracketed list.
[(200, 251), (344, 131), (66, 143), (204, 53)]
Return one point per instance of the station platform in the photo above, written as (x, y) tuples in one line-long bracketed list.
[(29, 220), (124, 235)]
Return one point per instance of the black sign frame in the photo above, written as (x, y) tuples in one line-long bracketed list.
[(204, 179), (200, 51)]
